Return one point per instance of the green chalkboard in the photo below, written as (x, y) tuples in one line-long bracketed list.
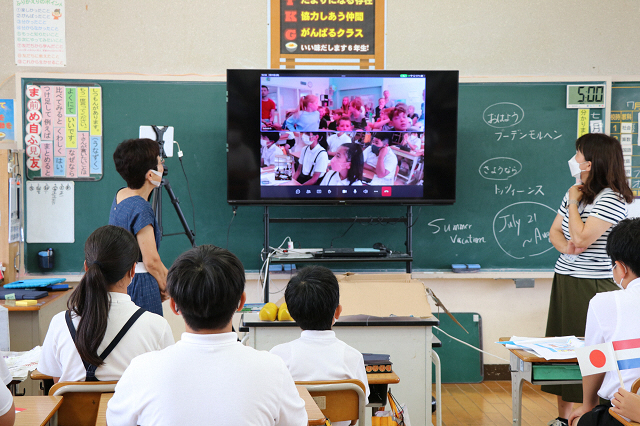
[(459, 363), (625, 105), (514, 140)]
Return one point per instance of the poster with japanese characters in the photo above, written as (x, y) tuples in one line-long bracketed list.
[(625, 111), (335, 33), (63, 131), (7, 132), (50, 216), (40, 33)]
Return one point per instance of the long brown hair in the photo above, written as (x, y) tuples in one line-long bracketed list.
[(110, 252), (607, 166)]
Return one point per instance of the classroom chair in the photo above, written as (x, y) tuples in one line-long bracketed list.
[(634, 388), (80, 401), (46, 382), (339, 400)]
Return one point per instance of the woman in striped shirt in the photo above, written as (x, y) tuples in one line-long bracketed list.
[(579, 232)]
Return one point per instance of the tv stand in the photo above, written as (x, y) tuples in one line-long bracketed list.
[(407, 257)]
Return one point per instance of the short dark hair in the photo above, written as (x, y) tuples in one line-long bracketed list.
[(312, 297), (264, 87), (134, 158), (385, 137), (623, 244), (206, 284), (272, 136)]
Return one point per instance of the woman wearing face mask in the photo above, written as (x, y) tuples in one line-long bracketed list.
[(138, 162), (579, 232), (346, 166), (314, 160)]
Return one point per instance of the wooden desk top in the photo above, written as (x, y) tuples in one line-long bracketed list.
[(383, 378), (38, 409), (313, 412), (53, 295), (529, 357)]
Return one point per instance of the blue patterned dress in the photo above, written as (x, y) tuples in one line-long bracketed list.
[(133, 214)]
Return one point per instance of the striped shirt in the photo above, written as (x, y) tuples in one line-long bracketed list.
[(592, 263)]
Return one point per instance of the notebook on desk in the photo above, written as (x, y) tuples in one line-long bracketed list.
[(350, 252)]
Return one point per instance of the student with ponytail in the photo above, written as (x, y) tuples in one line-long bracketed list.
[(103, 329)]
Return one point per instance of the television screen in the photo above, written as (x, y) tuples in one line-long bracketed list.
[(341, 137)]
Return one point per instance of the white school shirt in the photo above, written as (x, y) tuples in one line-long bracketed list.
[(315, 160), (269, 154), (593, 263), (333, 178), (320, 355), (390, 164), (6, 399), (335, 141), (60, 357), (612, 316), (207, 379)]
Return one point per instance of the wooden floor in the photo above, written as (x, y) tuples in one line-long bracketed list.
[(489, 403)]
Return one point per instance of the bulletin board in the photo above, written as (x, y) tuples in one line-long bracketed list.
[(330, 33), (63, 131)]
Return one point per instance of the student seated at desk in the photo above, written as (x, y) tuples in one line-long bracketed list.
[(269, 148), (381, 160), (346, 166), (627, 404), (313, 300), (208, 377), (7, 407), (99, 309), (613, 316), (314, 160)]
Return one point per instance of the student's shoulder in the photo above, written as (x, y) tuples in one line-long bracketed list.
[(154, 320), (283, 350), (604, 301)]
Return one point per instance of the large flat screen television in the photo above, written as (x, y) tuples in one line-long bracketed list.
[(341, 137)]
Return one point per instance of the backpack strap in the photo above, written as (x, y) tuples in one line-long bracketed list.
[(90, 368)]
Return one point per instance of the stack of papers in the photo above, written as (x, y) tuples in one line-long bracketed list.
[(21, 363), (549, 348)]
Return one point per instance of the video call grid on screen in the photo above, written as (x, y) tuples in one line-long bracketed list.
[(318, 104)]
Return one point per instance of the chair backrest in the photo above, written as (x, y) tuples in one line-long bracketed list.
[(339, 400), (635, 386), (81, 401)]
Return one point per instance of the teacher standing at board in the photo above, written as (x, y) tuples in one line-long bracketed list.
[(139, 163), (579, 232)]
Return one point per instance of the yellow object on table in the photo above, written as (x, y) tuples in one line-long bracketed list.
[(26, 302)]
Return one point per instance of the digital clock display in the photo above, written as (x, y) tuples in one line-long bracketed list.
[(585, 96)]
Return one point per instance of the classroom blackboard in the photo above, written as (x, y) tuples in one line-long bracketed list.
[(625, 105), (514, 141)]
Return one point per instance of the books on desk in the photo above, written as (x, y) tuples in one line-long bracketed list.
[(377, 363)]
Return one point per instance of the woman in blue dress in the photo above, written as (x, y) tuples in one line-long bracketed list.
[(139, 163)]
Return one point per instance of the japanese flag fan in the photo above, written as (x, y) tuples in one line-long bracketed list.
[(613, 356)]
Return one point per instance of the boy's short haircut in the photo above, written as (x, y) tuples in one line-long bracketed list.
[(356, 103), (206, 283), (272, 136), (623, 244), (312, 297), (397, 110), (343, 118), (385, 137)]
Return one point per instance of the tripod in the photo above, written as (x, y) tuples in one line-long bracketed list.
[(156, 202)]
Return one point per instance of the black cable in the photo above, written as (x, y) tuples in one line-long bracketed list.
[(235, 209), (417, 217), (193, 210), (345, 232)]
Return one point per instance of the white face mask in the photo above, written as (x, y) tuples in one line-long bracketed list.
[(614, 280), (157, 173), (263, 143), (574, 167), (306, 140)]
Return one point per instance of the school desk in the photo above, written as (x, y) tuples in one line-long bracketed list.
[(406, 339), (537, 371), (38, 410), (28, 325), (313, 412), (412, 156)]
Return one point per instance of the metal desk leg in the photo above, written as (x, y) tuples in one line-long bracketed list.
[(520, 371), (436, 361)]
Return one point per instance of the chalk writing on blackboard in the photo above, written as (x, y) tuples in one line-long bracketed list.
[(503, 115), (531, 134), (513, 190), (455, 228), (500, 168), (522, 229)]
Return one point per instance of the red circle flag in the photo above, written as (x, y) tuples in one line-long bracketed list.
[(597, 358)]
